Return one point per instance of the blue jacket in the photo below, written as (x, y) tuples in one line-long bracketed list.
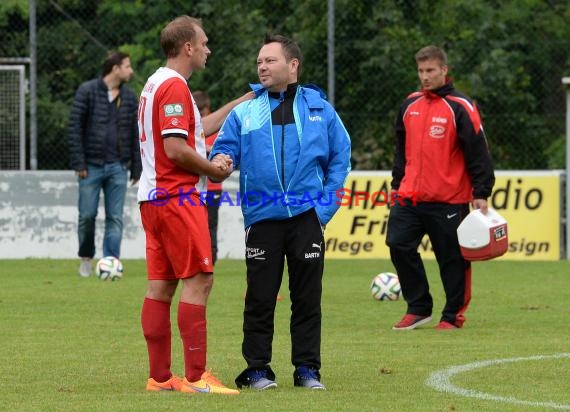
[(321, 169)]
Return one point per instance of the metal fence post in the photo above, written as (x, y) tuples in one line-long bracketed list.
[(566, 83), (330, 50), (33, 89)]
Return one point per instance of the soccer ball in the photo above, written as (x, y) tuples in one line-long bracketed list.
[(386, 286), (109, 268)]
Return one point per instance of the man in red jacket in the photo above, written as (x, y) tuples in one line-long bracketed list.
[(442, 159)]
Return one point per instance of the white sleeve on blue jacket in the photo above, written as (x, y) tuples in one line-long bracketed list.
[(337, 170), (228, 140)]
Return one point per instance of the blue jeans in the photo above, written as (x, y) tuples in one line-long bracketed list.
[(113, 179)]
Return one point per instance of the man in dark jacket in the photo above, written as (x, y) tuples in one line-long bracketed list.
[(104, 145)]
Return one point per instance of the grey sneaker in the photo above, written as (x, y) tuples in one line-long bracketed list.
[(256, 379), (85, 268), (307, 377)]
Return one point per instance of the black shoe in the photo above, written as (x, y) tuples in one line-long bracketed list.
[(307, 377), (258, 379)]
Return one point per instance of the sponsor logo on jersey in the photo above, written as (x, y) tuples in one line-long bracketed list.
[(176, 109), (436, 131)]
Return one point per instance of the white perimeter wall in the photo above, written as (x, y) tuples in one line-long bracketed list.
[(38, 218)]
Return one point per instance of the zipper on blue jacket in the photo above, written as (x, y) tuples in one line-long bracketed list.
[(281, 101)]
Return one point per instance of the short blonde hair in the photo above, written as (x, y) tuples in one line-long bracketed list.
[(179, 31)]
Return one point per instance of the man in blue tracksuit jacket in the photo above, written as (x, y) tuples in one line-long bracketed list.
[(293, 153)]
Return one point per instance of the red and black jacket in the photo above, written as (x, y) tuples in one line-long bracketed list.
[(441, 149)]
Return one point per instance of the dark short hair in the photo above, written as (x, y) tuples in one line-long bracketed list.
[(113, 59), (431, 53), (179, 31), (291, 49), (202, 99)]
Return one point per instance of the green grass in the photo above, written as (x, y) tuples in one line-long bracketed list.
[(73, 344)]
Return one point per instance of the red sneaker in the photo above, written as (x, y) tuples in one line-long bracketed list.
[(411, 321), (444, 325)]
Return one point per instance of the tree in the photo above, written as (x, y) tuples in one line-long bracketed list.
[(509, 59)]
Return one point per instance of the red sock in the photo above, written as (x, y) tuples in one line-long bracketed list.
[(192, 325), (155, 320)]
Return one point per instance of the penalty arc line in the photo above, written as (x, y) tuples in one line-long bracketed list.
[(441, 381)]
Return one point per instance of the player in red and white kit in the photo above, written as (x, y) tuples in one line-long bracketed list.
[(175, 222)]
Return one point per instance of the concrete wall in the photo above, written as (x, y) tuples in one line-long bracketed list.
[(38, 218)]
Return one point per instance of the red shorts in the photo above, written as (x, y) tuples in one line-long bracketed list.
[(177, 240)]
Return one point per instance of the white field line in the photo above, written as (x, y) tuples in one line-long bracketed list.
[(441, 381)]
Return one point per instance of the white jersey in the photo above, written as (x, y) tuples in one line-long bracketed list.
[(166, 108)]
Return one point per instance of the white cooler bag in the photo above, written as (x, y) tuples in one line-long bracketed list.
[(483, 237)]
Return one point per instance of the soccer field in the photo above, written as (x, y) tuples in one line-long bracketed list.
[(74, 344)]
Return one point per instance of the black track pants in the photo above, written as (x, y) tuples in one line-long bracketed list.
[(406, 227), (268, 243)]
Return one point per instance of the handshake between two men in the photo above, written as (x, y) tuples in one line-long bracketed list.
[(223, 166)]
